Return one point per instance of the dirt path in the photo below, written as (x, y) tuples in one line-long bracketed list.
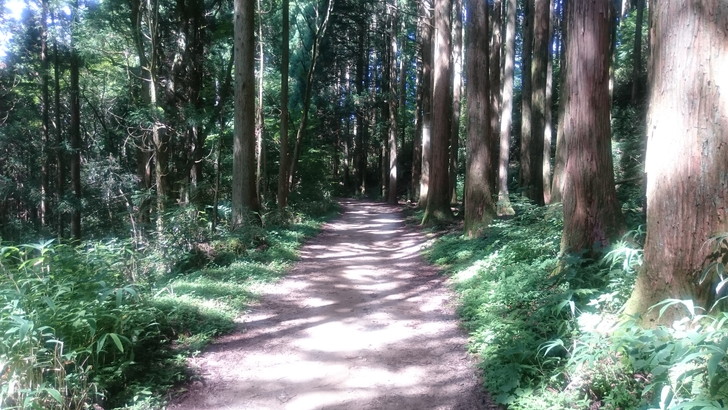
[(360, 323)]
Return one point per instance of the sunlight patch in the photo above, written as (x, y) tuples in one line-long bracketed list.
[(469, 272)]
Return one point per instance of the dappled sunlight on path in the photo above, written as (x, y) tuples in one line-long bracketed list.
[(360, 323)]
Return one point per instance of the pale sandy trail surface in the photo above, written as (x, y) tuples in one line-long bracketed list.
[(361, 322)]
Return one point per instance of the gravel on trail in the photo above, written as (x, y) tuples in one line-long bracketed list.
[(360, 322)]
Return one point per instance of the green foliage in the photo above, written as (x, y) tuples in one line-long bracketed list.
[(506, 304), (111, 322), (683, 366), (549, 333), (68, 316), (624, 52), (628, 128)]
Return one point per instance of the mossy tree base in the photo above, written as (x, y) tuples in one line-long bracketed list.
[(437, 217), (504, 207)]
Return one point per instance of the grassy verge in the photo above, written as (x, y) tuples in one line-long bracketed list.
[(551, 338), (111, 323)]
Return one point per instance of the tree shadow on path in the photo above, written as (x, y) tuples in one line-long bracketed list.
[(361, 322)]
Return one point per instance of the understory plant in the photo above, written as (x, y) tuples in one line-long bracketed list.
[(67, 316), (110, 322), (550, 333)]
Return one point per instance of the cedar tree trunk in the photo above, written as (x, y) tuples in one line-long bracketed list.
[(438, 197), (687, 153), (244, 198), (504, 206), (591, 211), (479, 207)]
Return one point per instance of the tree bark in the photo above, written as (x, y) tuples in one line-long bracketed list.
[(426, 49), (244, 198), (192, 13), (154, 151), (414, 194), (539, 63), (479, 206), (438, 197), (494, 88), (348, 143), (223, 90), (548, 117), (504, 206), (259, 118), (160, 137), (592, 215), (526, 173), (457, 58), (558, 178), (282, 198), (687, 156), (393, 110), (362, 126)]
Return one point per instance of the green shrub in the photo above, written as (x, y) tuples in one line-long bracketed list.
[(111, 322), (554, 338), (68, 314)]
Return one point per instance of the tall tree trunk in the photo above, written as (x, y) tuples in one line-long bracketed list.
[(417, 138), (46, 119), (259, 119), (155, 150), (383, 82), (426, 49), (438, 197), (402, 88), (592, 215), (637, 53), (60, 157), (338, 119), (494, 88), (75, 129), (393, 110), (362, 126), (348, 140), (457, 58), (526, 131), (195, 50), (504, 206), (479, 169), (282, 198), (539, 62), (384, 160), (223, 92), (160, 137), (558, 178), (145, 147), (687, 157), (548, 117), (244, 198)]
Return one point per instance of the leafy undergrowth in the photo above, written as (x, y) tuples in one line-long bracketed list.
[(110, 323), (549, 331)]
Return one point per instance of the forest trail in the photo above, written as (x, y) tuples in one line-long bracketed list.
[(361, 322)]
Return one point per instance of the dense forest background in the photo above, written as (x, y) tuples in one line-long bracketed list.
[(122, 113), (144, 138)]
